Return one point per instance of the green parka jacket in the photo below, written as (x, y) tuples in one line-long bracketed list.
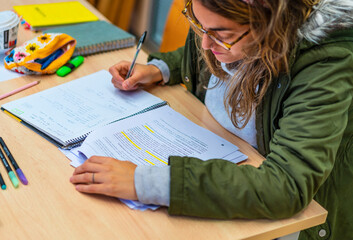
[(304, 130)]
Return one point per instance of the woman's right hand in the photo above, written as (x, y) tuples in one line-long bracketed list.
[(141, 76)]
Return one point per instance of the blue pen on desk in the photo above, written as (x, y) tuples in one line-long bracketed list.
[(138, 48), (49, 59), (12, 176), (18, 170)]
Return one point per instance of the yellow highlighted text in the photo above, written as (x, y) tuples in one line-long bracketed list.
[(131, 141)]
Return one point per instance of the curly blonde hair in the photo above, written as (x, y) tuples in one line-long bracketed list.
[(273, 25)]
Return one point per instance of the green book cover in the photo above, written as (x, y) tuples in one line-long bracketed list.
[(95, 37)]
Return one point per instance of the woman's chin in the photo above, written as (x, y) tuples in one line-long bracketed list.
[(226, 59)]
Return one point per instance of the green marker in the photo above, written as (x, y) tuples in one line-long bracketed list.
[(12, 176), (68, 67)]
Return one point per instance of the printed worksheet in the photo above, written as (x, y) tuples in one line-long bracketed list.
[(150, 138)]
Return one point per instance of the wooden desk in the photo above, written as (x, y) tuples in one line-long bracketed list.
[(50, 207)]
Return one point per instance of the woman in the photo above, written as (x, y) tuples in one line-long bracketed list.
[(279, 74)]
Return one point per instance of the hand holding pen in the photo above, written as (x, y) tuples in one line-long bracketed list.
[(138, 48), (128, 76)]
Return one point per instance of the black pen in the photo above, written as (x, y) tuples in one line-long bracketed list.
[(19, 172), (12, 176), (2, 183), (138, 48)]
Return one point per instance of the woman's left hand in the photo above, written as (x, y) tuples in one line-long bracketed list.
[(107, 176)]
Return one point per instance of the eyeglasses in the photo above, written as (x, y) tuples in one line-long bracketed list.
[(187, 11)]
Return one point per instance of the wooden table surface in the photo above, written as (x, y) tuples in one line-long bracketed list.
[(49, 207)]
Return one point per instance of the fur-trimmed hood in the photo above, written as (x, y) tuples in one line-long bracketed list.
[(327, 16)]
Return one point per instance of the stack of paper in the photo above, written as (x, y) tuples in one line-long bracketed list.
[(150, 138)]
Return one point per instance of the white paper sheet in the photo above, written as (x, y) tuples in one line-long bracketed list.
[(71, 110), (6, 74), (150, 138)]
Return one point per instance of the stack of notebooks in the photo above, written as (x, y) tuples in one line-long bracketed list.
[(76, 20)]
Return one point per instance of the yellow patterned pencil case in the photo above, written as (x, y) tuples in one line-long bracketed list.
[(42, 55)]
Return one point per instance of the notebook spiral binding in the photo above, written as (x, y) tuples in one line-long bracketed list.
[(104, 47), (76, 142)]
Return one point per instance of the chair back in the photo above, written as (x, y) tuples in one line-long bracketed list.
[(176, 28)]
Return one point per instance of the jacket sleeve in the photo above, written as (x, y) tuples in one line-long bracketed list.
[(173, 60), (176, 60), (303, 150)]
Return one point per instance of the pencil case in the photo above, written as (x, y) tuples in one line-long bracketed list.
[(43, 54)]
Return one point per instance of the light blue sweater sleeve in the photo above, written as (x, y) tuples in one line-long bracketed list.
[(152, 184), (163, 67)]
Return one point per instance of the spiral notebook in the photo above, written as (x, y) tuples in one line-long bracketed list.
[(96, 37), (67, 113)]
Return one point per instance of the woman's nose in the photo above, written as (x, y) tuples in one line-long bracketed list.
[(206, 42)]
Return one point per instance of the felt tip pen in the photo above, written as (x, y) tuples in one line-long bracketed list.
[(70, 66), (12, 176), (2, 183), (138, 48), (18, 170)]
